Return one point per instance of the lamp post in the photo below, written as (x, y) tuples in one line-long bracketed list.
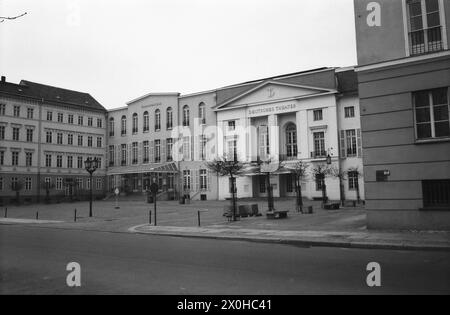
[(91, 166)]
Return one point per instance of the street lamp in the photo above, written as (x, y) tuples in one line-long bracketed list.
[(91, 166)]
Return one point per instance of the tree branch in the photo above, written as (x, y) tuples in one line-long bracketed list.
[(3, 18)]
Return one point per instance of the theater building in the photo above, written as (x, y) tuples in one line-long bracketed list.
[(404, 78), (46, 134)]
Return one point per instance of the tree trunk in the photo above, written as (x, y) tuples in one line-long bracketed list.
[(341, 186), (324, 192), (233, 197), (357, 191)]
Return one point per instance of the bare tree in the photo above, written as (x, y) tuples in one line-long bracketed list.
[(299, 170), (47, 186), (3, 18), (268, 167), (231, 167), (356, 172), (339, 174), (17, 186), (321, 171)]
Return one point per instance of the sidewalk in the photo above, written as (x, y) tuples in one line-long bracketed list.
[(364, 239)]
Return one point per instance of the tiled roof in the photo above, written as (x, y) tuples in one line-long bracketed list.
[(50, 94)]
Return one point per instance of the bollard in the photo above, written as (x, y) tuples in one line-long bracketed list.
[(150, 217), (198, 215), (75, 215), (6, 212), (37, 215)]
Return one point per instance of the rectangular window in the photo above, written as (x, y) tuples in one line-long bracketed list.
[(48, 160), (48, 137), (231, 125), (134, 151), (319, 144), (16, 111), (351, 142), (99, 123), (88, 183), (169, 144), (202, 147), (319, 182), (79, 162), (80, 140), (187, 179), (28, 159), (186, 148), (349, 112), (99, 142), (80, 120), (89, 141), (289, 183), (29, 135), (352, 180), (2, 157), (59, 183), (112, 154), (16, 132), (1, 183), (59, 138), (2, 109), (60, 117), (28, 182), (157, 151), (232, 149), (90, 120), (425, 29), (123, 149), (317, 114), (262, 184), (436, 193), (70, 119), (432, 114), (59, 161), (49, 116), (30, 112), (99, 184), (2, 132), (79, 183), (70, 162), (70, 139), (203, 179), (15, 158), (146, 153)]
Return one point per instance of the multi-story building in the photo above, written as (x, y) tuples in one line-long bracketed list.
[(404, 78), (46, 134), (303, 116)]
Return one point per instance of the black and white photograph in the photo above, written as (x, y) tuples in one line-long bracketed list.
[(224, 153)]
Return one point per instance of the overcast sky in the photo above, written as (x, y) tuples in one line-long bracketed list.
[(118, 50)]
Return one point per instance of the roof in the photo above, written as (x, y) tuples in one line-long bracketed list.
[(50, 94), (347, 81)]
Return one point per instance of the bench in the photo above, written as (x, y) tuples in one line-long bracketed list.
[(277, 214)]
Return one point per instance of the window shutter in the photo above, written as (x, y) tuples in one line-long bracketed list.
[(163, 151), (152, 151), (358, 135), (343, 147)]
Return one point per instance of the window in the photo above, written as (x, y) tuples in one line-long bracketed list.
[(134, 152), (157, 151), (317, 114), (14, 158), (169, 114), (30, 112), (49, 116), (48, 137), (123, 151), (262, 184), (59, 161), (80, 120), (425, 30), (431, 114), (89, 141), (186, 148), (79, 182), (111, 127), (202, 147), (202, 113), (232, 149), (264, 149), (169, 144), (2, 109), (319, 182), (111, 155), (88, 183), (349, 112), (28, 183), (59, 138), (187, 179), (16, 111), (203, 179), (60, 117), (70, 162), (14, 182), (99, 142), (28, 159), (352, 180), (135, 123), (123, 125), (99, 183), (2, 157), (157, 120), (70, 139), (186, 116), (90, 121), (146, 154), (146, 122), (80, 140), (99, 123), (59, 183), (291, 141), (351, 142), (289, 183), (170, 181), (16, 132), (231, 125), (70, 119), (1, 183), (99, 163), (436, 193), (79, 162), (319, 144), (2, 132), (29, 135), (48, 160)]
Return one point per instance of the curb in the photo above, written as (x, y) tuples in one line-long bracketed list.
[(300, 243)]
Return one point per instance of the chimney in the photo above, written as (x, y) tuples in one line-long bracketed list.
[(3, 78)]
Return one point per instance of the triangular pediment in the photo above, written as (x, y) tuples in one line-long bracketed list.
[(272, 91)]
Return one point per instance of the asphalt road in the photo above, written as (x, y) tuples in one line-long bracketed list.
[(34, 259)]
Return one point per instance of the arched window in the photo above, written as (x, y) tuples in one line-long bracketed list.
[(291, 141), (135, 123), (169, 118), (111, 127), (202, 113), (186, 115), (157, 120), (123, 125), (146, 122)]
